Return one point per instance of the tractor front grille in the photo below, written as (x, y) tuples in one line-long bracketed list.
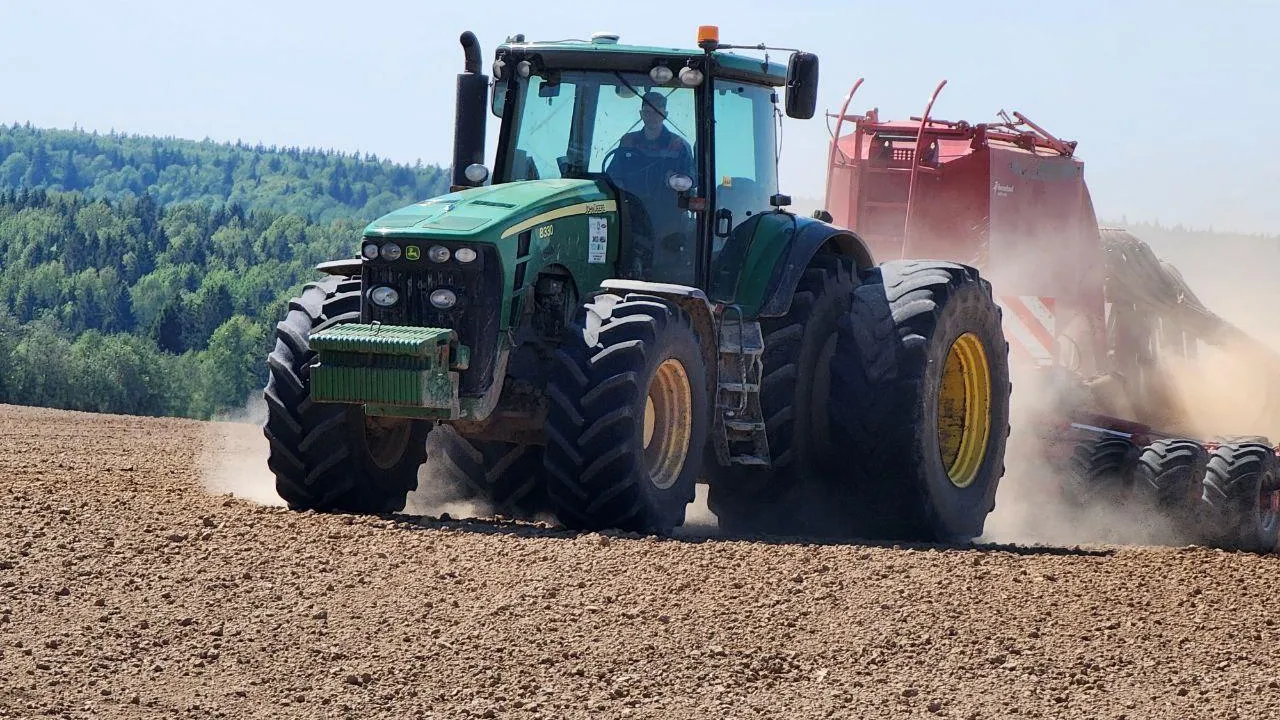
[(475, 317)]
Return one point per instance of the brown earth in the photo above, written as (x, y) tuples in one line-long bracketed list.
[(128, 590)]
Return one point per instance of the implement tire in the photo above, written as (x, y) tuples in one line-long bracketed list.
[(506, 475), (1101, 471), (628, 417), (329, 456), (794, 395), (920, 402), (1170, 478), (1242, 495)]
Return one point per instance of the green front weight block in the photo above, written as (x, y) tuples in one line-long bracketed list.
[(389, 365)]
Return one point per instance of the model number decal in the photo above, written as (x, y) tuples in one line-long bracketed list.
[(546, 231), (597, 207)]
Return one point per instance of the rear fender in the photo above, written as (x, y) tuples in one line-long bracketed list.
[(810, 237)]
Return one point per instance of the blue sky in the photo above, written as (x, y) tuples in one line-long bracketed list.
[(1173, 103)]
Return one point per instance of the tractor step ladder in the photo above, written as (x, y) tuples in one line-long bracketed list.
[(741, 430)]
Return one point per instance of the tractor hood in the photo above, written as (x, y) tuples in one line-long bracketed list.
[(479, 211)]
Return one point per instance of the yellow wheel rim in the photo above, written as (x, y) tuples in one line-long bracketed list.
[(964, 410), (668, 423)]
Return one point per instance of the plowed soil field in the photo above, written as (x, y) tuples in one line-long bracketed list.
[(133, 585)]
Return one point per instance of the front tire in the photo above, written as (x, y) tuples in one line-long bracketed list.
[(329, 456), (920, 402), (628, 417)]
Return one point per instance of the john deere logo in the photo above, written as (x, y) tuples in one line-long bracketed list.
[(412, 252)]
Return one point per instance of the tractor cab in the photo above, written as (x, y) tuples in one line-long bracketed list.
[(684, 140)]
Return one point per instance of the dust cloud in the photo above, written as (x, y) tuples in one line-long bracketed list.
[(1227, 390), (233, 460)]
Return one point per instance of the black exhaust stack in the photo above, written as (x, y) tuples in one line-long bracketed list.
[(470, 113)]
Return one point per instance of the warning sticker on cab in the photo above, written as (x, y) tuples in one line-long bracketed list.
[(597, 239)]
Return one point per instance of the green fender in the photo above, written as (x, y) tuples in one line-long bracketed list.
[(764, 258)]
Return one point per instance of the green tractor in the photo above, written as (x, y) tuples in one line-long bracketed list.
[(623, 306)]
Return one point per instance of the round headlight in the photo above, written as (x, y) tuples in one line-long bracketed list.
[(498, 66), (391, 251), (384, 296), (464, 255), (476, 173), (438, 254), (369, 251), (443, 299), (691, 77), (660, 74), (524, 68)]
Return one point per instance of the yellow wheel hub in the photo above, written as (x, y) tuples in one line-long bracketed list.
[(668, 423), (964, 410)]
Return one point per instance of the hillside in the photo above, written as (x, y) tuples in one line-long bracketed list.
[(316, 184)]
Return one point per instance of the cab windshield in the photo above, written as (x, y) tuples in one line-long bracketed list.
[(622, 128), (570, 123)]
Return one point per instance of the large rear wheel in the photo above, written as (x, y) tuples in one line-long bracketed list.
[(794, 394), (920, 402), (506, 475), (628, 417), (328, 456)]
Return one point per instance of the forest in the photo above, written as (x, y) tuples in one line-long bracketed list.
[(145, 275)]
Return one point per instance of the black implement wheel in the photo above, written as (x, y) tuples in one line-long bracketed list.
[(1101, 471), (328, 456), (1170, 478), (628, 417), (920, 402), (794, 395), (506, 475), (1242, 492)]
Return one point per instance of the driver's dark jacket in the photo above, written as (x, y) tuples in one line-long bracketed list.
[(667, 145)]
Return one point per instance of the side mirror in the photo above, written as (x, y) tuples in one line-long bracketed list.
[(802, 85)]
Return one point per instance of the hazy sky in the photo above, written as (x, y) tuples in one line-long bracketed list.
[(1173, 103)]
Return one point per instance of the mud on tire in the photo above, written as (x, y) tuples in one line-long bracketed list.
[(1241, 484), (794, 395), (912, 326), (328, 456), (611, 366)]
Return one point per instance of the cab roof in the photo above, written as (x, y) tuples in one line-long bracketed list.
[(612, 55)]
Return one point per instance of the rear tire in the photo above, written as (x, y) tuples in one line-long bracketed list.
[(329, 456), (794, 399), (920, 402), (506, 475), (629, 361), (1241, 485)]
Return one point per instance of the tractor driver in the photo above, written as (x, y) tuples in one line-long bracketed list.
[(656, 140), (662, 246)]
